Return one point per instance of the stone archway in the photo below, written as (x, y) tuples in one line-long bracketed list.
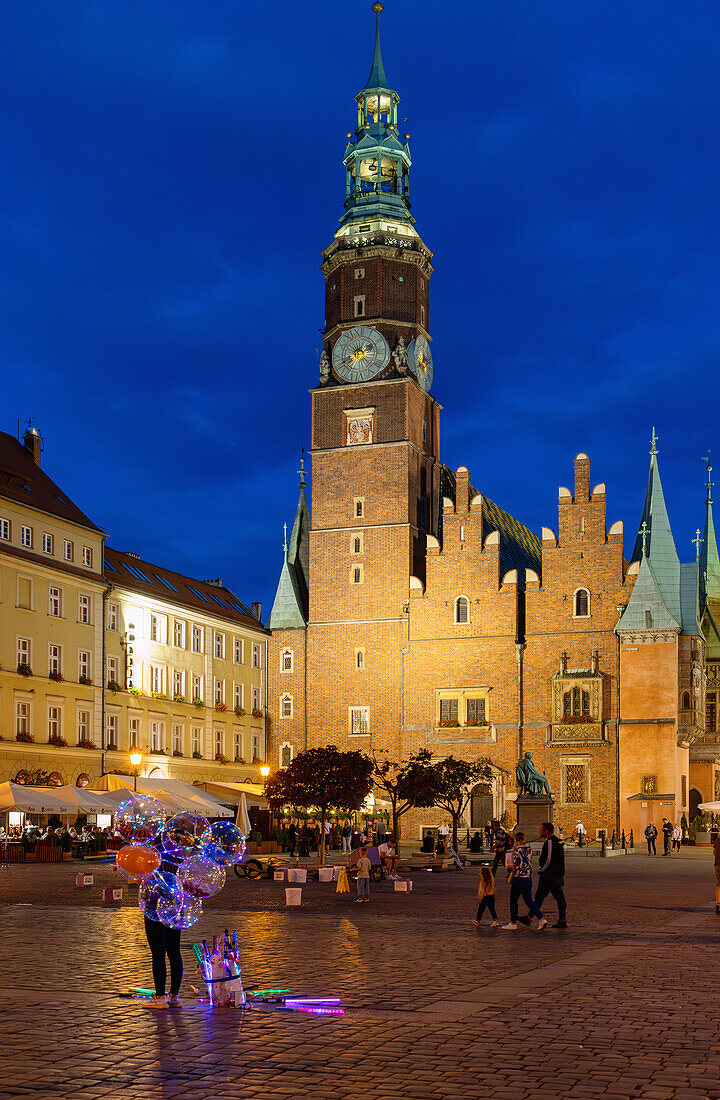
[(481, 805), (694, 800)]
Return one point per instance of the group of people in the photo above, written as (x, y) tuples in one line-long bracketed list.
[(672, 837), (516, 855)]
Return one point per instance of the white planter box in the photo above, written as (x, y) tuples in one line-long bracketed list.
[(293, 896), (403, 885)]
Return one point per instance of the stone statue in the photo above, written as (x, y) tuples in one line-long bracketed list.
[(324, 368), (400, 357), (529, 779)]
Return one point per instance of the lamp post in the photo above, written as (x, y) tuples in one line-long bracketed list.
[(136, 761)]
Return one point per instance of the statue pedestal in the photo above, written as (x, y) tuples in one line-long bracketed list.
[(531, 812)]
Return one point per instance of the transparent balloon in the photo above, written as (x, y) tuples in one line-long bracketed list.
[(224, 843), (189, 913), (182, 835), (201, 877), (139, 819), (137, 861), (159, 887)]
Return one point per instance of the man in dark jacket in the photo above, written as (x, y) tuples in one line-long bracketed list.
[(667, 835), (650, 834), (551, 872)]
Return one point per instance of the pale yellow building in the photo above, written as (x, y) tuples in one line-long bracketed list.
[(100, 650)]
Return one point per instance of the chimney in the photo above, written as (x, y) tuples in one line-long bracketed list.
[(34, 442), (257, 611)]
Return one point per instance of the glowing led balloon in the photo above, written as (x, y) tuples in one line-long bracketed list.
[(139, 819), (137, 861), (161, 887), (223, 842), (189, 913), (182, 835), (201, 877)]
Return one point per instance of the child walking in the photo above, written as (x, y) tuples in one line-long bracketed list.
[(363, 876), (486, 896)]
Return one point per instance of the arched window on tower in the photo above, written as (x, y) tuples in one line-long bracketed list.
[(462, 609), (581, 603)]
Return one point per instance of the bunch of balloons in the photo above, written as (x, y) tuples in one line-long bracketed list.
[(197, 851)]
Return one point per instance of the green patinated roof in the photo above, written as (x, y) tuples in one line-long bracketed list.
[(290, 607), (377, 78)]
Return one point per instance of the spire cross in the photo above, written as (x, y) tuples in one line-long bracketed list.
[(698, 542), (708, 484), (653, 442), (644, 531)]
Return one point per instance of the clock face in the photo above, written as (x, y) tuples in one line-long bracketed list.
[(360, 353), (420, 360)]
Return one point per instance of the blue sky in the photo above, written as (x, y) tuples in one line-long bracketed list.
[(171, 171)]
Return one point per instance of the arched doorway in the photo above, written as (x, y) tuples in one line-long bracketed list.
[(481, 806), (694, 801)]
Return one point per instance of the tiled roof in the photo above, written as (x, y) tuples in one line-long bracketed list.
[(22, 480), (128, 571)]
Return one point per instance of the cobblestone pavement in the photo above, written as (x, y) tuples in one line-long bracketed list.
[(622, 1004)]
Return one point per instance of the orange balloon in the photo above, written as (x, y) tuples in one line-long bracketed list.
[(137, 861)]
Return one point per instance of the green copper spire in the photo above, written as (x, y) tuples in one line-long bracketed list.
[(377, 78), (709, 559)]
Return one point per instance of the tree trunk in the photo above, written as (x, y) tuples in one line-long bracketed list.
[(322, 838)]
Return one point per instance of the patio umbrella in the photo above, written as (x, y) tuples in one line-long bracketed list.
[(32, 800)]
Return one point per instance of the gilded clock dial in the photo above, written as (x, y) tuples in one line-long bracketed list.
[(421, 362), (360, 353)]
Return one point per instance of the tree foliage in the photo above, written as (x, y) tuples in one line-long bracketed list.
[(318, 779)]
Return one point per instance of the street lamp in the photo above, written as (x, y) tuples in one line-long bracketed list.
[(136, 761)]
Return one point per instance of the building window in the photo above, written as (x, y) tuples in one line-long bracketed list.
[(575, 779), (576, 703), (286, 706), (157, 736), (158, 629), (26, 536), (256, 656), (219, 691), (356, 574), (157, 679), (134, 731), (237, 695), (219, 743), (256, 698), (24, 593), (648, 785), (196, 687), (220, 646), (195, 735), (449, 711), (359, 721), (683, 791), (113, 670), (359, 272), (197, 639), (22, 717), (237, 651), (24, 652), (68, 550), (112, 731), (83, 725), (286, 754), (178, 682), (47, 543), (359, 659), (5, 529), (83, 609), (83, 665), (112, 616), (359, 305), (55, 661), (179, 634), (55, 602), (87, 557), (177, 740), (582, 603), (475, 712), (286, 660), (54, 722), (462, 610), (359, 507)]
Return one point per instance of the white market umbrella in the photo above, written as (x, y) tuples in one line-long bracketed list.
[(32, 800)]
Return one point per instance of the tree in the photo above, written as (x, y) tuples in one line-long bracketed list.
[(408, 785), (453, 783), (317, 779)]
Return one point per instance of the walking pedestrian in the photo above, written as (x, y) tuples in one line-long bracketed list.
[(667, 831), (486, 897), (363, 876), (650, 834), (521, 885), (677, 838), (551, 873), (502, 843)]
